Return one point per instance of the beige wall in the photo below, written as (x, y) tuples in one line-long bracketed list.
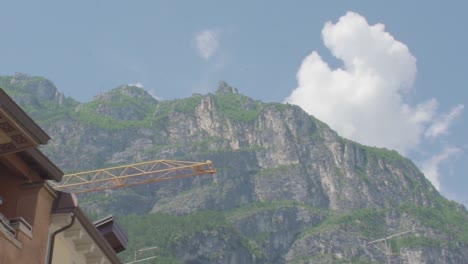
[(74, 245), (65, 253)]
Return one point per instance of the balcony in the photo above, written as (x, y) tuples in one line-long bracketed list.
[(11, 228)]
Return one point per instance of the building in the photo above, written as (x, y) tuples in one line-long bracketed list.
[(75, 239), (37, 223)]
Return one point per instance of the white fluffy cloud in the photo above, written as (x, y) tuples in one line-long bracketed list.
[(207, 43), (431, 167), (364, 100), (441, 124)]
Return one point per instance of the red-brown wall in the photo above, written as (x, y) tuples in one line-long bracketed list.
[(34, 204)]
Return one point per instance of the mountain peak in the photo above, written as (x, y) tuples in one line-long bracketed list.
[(124, 103), (19, 76), (130, 91), (223, 87), (39, 86)]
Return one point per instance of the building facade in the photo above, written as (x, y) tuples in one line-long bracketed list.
[(37, 223)]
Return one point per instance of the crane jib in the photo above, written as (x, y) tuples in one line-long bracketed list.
[(132, 175)]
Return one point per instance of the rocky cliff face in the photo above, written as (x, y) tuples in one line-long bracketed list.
[(288, 188)]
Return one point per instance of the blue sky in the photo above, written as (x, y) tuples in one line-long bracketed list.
[(176, 48)]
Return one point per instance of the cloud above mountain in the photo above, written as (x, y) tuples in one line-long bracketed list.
[(207, 43), (137, 84), (431, 167), (441, 124), (364, 99)]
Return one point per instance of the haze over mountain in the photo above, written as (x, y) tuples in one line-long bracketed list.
[(288, 188)]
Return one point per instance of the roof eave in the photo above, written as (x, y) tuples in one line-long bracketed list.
[(46, 168), (8, 105)]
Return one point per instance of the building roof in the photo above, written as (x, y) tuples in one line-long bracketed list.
[(20, 134), (113, 232), (15, 114)]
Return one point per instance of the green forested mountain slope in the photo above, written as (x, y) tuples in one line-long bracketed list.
[(288, 188)]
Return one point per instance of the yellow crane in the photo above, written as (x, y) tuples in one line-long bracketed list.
[(132, 174)]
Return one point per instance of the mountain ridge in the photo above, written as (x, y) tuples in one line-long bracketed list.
[(288, 189)]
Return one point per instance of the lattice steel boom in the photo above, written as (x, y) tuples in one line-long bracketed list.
[(133, 174)]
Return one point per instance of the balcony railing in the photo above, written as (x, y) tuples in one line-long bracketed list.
[(19, 223), (4, 222)]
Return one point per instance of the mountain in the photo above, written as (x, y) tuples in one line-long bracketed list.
[(288, 188)]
